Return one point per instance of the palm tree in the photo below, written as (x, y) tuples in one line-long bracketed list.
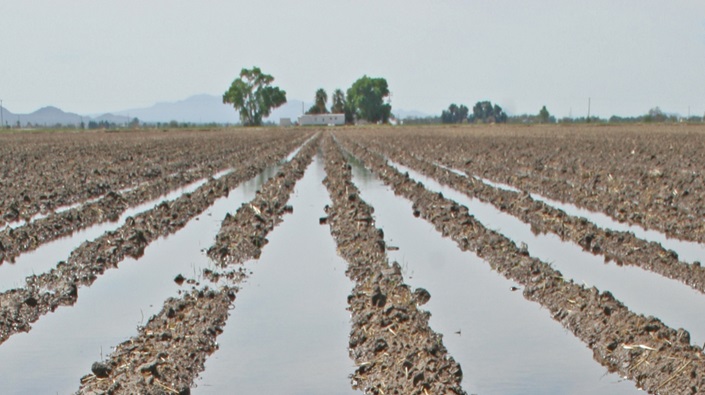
[(338, 102), (319, 107)]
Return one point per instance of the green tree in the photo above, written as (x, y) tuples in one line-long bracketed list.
[(319, 106), (544, 116), (338, 106), (366, 99), (455, 114), (253, 96), (655, 115), (483, 111)]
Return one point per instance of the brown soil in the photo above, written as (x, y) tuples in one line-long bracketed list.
[(45, 292), (30, 236), (44, 171), (149, 363), (394, 348), (391, 343), (650, 175), (622, 248), (657, 358)]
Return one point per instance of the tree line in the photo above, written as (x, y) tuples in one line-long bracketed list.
[(254, 97)]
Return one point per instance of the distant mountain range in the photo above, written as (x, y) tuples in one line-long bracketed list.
[(198, 109), (52, 116), (205, 109)]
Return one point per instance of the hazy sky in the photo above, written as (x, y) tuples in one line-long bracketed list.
[(99, 56)]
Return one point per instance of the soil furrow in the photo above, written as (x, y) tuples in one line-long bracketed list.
[(622, 248), (657, 358), (645, 175), (391, 342), (46, 171), (28, 237), (44, 293), (151, 362)]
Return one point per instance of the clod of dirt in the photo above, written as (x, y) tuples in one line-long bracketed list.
[(422, 296), (179, 279), (101, 370)]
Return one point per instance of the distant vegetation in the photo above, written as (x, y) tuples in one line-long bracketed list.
[(485, 112), (366, 101), (482, 112), (253, 96), (319, 105)]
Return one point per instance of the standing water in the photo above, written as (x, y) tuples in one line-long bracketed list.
[(504, 344), (288, 332), (688, 251), (61, 346), (44, 258), (642, 291)]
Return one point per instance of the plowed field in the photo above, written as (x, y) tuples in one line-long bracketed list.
[(135, 249)]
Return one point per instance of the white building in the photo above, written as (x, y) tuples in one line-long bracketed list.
[(322, 119)]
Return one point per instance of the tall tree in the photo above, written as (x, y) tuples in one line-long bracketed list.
[(544, 116), (366, 99), (655, 115), (455, 114), (319, 106), (483, 111), (338, 106), (253, 96)]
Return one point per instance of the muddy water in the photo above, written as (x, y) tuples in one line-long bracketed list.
[(288, 332), (505, 344), (61, 209), (676, 304), (687, 251), (44, 258), (61, 347)]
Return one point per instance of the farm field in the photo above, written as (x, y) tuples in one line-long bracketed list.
[(409, 260)]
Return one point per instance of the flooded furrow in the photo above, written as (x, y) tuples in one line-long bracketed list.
[(59, 224), (171, 349), (289, 330), (485, 325), (688, 251), (655, 356), (45, 292), (621, 248), (44, 258), (54, 354), (393, 347), (644, 292)]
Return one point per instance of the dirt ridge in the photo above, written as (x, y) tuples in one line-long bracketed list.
[(151, 363), (45, 292), (657, 358), (30, 236), (622, 248), (391, 342)]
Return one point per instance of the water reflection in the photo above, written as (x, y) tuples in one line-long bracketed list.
[(61, 347), (289, 330), (688, 251), (644, 292), (506, 345), (44, 258)]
